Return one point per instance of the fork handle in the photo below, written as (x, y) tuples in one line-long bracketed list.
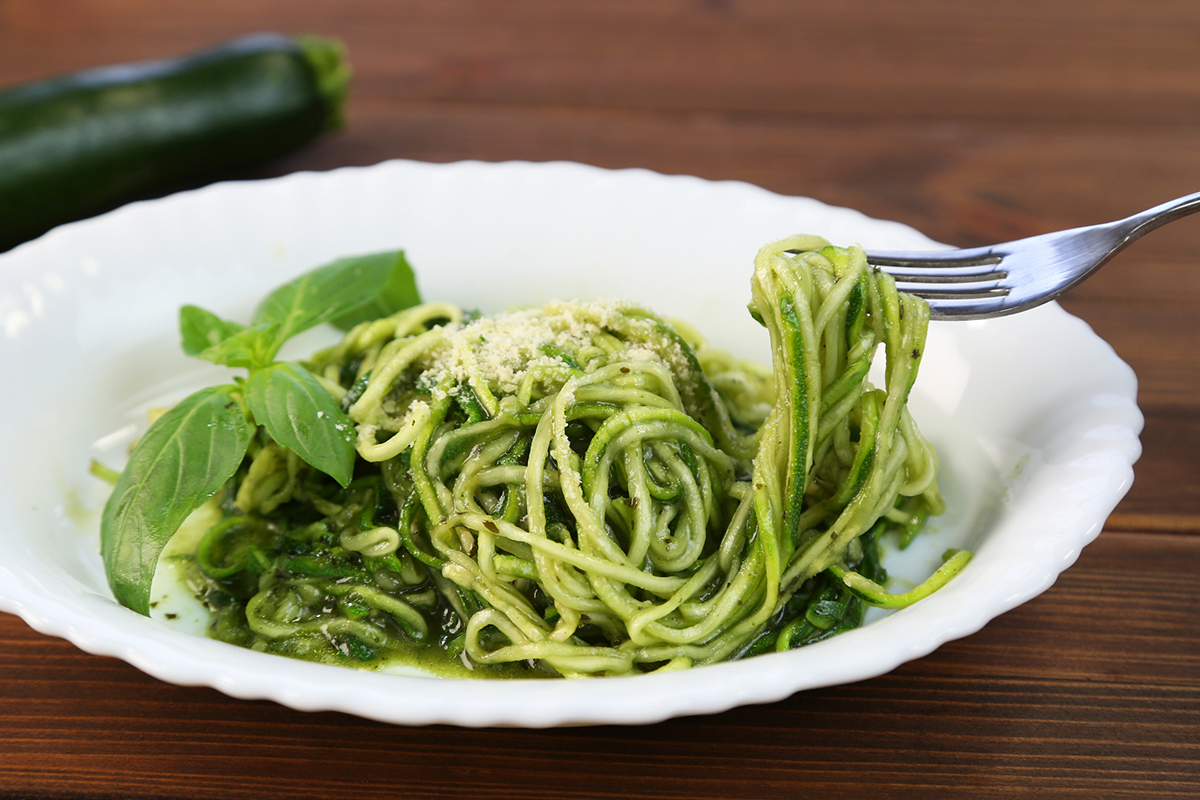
[(1135, 226)]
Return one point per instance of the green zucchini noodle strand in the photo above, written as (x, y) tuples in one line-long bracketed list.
[(588, 489), (854, 449)]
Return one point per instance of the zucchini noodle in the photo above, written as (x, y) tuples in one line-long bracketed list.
[(586, 489)]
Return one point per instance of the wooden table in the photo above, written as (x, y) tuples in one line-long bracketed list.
[(974, 122)]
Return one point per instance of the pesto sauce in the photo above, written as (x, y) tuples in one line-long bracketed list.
[(400, 654), (189, 598)]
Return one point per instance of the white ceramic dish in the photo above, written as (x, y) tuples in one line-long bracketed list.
[(1034, 416)]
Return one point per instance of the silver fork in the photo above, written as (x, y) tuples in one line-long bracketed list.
[(1006, 278)]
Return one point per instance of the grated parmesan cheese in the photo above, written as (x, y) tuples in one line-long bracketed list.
[(502, 350)]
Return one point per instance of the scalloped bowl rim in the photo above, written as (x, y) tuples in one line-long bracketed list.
[(1096, 451)]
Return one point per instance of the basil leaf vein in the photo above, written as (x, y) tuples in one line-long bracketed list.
[(300, 414), (337, 291), (250, 347), (398, 293)]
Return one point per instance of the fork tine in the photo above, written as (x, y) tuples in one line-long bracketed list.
[(957, 284), (973, 256), (933, 260), (964, 308), (941, 295), (981, 267), (946, 291), (938, 274)]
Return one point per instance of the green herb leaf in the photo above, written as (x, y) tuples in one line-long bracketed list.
[(250, 347), (400, 292), (202, 329), (300, 414), (336, 291), (184, 459)]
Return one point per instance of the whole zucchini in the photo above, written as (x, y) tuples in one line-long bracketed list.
[(83, 143)]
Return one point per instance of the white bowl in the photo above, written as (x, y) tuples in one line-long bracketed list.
[(1033, 415)]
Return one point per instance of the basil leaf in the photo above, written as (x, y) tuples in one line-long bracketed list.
[(400, 292), (300, 414), (250, 347), (184, 459), (331, 292), (202, 329)]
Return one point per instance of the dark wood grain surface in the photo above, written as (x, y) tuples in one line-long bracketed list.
[(972, 121)]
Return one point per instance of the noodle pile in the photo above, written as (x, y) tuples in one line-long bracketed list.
[(586, 489)]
